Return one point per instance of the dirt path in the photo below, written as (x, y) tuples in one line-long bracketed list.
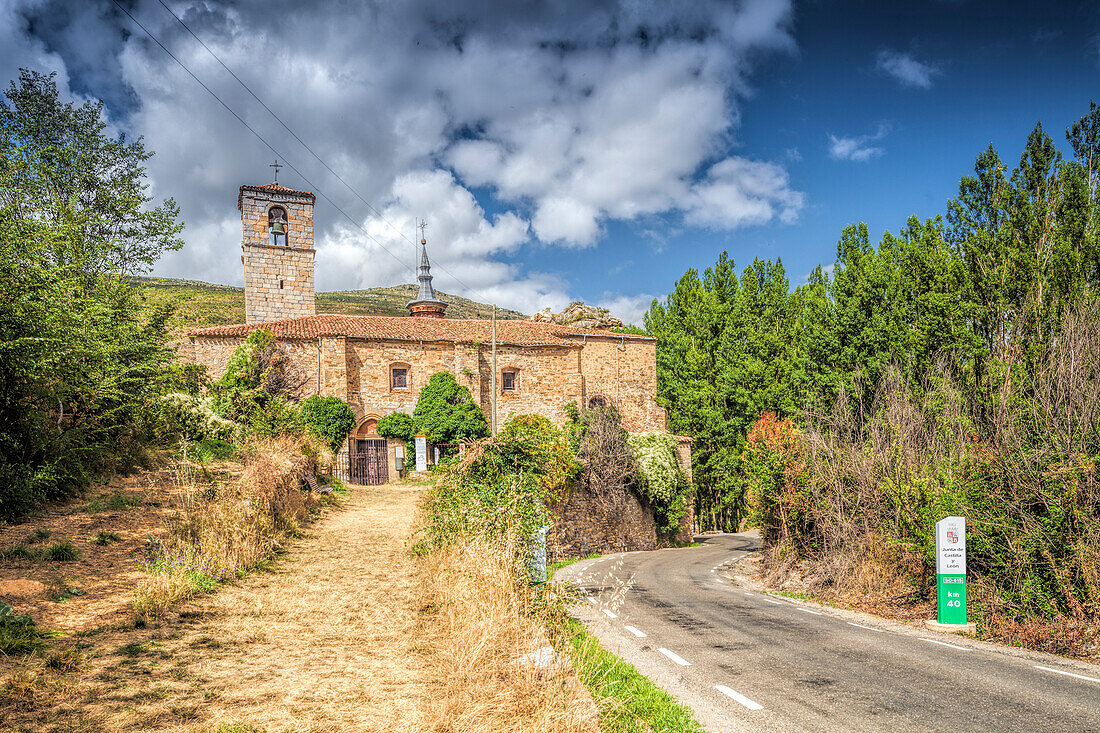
[(324, 642)]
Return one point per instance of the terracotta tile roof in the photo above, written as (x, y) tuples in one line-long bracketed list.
[(403, 328), (276, 188)]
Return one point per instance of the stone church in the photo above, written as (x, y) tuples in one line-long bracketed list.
[(378, 364)]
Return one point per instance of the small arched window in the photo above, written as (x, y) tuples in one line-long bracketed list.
[(277, 225), (597, 401)]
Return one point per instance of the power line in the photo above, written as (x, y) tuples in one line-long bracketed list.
[(319, 159), (285, 126), (272, 147), (250, 129)]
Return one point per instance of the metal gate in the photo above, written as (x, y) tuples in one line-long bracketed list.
[(368, 461)]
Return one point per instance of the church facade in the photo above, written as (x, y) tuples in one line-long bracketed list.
[(378, 364)]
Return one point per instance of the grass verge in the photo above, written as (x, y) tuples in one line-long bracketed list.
[(627, 700), (491, 638)]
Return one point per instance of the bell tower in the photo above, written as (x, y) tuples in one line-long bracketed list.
[(276, 251)]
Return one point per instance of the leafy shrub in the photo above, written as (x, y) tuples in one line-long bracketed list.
[(659, 477), (501, 487), (193, 418), (534, 445), (255, 388), (330, 418), (399, 425), (211, 449), (776, 491), (62, 552), (445, 413), (276, 417)]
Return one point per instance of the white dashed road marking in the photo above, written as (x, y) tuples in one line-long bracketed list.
[(769, 600), (869, 628), (609, 614), (1068, 674), (944, 643), (637, 632), (739, 697), (806, 610), (675, 657), (593, 601), (750, 594)]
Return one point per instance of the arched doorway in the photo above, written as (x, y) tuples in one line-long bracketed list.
[(596, 402), (368, 428), (368, 461)]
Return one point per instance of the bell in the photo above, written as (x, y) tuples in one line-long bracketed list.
[(278, 228)]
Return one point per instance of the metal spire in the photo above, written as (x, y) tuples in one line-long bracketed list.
[(427, 292), (426, 304)]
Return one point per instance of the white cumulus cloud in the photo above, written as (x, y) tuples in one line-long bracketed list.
[(859, 148), (907, 69), (562, 116)]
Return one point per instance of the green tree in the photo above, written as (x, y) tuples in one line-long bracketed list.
[(69, 175), (330, 418), (399, 425), (445, 412), (82, 363)]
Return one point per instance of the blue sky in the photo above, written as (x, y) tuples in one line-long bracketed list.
[(571, 150), (998, 74)]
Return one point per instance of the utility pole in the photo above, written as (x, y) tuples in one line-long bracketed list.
[(493, 381)]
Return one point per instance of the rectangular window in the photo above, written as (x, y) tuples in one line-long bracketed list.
[(400, 378), (508, 381)]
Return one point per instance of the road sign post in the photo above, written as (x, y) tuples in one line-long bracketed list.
[(951, 571)]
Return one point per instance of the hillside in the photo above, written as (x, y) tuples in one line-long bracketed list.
[(202, 304)]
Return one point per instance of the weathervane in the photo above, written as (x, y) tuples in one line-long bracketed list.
[(276, 165)]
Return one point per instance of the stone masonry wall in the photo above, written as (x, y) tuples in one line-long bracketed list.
[(588, 523), (299, 214), (548, 378), (216, 351), (627, 368), (278, 280), (370, 388)]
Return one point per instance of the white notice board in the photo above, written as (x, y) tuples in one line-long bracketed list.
[(421, 453), (951, 546)]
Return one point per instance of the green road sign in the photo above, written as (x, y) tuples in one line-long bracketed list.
[(951, 570), (951, 599)]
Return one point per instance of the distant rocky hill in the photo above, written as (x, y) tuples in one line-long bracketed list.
[(200, 304), (580, 315)]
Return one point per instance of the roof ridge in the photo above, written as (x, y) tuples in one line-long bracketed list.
[(408, 328)]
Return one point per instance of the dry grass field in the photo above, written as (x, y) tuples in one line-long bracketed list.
[(347, 631)]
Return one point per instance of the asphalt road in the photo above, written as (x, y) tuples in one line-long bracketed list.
[(746, 660)]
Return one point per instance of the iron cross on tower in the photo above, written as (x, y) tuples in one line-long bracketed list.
[(276, 165)]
